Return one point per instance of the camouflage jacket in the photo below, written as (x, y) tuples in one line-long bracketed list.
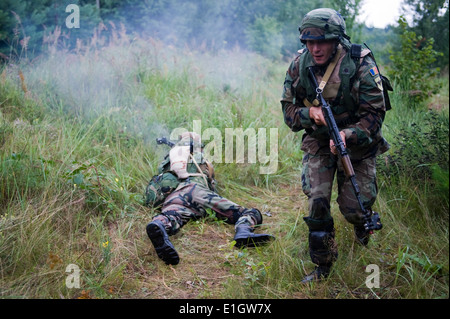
[(360, 117)]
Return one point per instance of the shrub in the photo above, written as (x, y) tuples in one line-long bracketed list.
[(412, 64), (419, 146)]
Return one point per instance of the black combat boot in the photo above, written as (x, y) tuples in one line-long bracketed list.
[(244, 232), (160, 240), (323, 252), (246, 238)]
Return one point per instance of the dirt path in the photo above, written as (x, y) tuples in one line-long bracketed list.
[(206, 252)]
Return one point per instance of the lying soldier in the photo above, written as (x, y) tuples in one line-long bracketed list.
[(192, 192)]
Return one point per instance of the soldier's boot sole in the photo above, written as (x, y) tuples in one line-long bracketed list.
[(160, 240), (254, 240)]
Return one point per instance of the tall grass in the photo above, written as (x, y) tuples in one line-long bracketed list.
[(77, 141)]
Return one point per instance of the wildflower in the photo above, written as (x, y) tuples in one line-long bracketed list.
[(105, 244)]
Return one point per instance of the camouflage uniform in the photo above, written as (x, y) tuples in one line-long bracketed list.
[(190, 200), (355, 96)]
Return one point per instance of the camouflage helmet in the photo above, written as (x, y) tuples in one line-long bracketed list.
[(322, 24)]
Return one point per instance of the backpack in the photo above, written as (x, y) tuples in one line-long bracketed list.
[(159, 187), (162, 185), (355, 52)]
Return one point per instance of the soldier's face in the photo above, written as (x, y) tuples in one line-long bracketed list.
[(321, 50)]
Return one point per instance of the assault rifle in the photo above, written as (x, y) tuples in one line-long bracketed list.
[(371, 218), (163, 140)]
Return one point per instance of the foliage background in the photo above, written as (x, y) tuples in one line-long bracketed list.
[(265, 26)]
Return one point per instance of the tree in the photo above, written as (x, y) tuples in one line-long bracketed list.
[(412, 64), (431, 20), (263, 36)]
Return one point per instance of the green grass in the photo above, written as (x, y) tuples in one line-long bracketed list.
[(77, 148)]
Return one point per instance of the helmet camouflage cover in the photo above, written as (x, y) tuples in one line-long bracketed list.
[(322, 24)]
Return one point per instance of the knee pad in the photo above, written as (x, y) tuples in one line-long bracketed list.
[(320, 224), (321, 240), (322, 248)]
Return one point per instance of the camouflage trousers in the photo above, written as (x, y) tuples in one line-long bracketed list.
[(191, 200), (317, 182)]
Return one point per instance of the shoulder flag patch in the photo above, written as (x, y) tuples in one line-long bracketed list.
[(373, 71)]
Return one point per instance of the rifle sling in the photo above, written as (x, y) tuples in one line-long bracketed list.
[(325, 77), (200, 173)]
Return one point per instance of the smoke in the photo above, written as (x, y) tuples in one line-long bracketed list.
[(102, 75), (198, 24), (93, 82)]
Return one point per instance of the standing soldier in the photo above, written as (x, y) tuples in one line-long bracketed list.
[(194, 193), (352, 86)]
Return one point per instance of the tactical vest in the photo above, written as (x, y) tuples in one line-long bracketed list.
[(341, 100), (162, 185), (198, 169)]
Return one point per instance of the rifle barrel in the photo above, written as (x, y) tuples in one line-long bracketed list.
[(163, 140)]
